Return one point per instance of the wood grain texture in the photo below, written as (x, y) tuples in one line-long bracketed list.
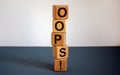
[(60, 52), (59, 26), (58, 38), (60, 64), (60, 12)]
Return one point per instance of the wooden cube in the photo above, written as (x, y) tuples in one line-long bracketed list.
[(60, 52), (60, 64), (59, 26), (60, 12), (58, 38)]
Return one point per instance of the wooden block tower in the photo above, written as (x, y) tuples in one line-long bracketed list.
[(58, 37)]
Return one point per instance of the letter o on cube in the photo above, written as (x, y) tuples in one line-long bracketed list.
[(60, 12)]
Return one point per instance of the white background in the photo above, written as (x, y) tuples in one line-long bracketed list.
[(90, 22)]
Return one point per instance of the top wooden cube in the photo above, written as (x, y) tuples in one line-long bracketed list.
[(60, 12)]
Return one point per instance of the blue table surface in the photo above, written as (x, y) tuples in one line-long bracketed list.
[(39, 61)]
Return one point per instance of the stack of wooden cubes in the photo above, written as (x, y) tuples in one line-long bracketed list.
[(58, 37)]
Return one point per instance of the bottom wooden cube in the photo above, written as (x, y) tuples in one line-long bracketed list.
[(60, 64)]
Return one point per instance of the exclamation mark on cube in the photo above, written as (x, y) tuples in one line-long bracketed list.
[(60, 65)]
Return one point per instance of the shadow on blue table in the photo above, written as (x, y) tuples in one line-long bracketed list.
[(25, 60), (40, 64)]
